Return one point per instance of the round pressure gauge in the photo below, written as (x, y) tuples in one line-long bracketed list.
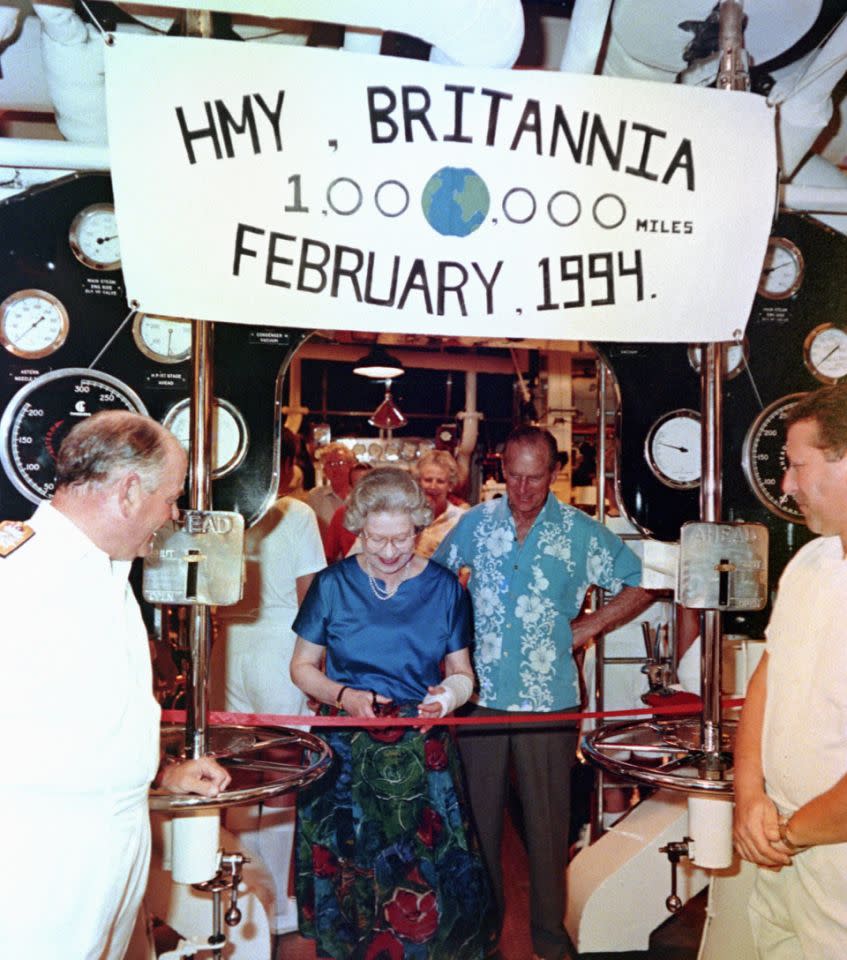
[(33, 323), (93, 237), (229, 434), (764, 462), (163, 339), (672, 449), (734, 358), (40, 415), (825, 352), (782, 271)]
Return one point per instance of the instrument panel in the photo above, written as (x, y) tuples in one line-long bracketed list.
[(70, 345), (795, 341)]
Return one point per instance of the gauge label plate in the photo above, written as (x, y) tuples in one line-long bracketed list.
[(211, 541), (740, 550)]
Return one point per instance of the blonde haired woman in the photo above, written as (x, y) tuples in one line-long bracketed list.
[(438, 475)]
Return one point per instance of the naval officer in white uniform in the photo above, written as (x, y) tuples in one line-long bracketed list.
[(80, 723)]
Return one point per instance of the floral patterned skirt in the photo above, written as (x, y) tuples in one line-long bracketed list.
[(387, 864)]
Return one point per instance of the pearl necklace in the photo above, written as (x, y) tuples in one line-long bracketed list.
[(385, 593)]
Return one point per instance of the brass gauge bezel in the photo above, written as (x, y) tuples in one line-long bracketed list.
[(149, 351), (815, 366), (80, 245), (796, 263), (57, 337)]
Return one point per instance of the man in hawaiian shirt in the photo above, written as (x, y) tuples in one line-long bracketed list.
[(531, 560)]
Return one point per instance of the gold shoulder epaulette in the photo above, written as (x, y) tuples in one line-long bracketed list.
[(13, 534)]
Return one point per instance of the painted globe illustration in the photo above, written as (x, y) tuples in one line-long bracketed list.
[(455, 201)]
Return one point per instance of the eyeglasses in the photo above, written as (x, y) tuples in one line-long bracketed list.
[(399, 543), (337, 463)]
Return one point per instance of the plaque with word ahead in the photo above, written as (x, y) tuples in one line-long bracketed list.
[(197, 560), (723, 566)]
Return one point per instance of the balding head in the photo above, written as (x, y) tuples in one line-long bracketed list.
[(110, 443)]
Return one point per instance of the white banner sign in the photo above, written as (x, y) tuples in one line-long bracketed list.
[(301, 187)]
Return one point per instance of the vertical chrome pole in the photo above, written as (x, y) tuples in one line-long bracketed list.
[(711, 403), (198, 23), (733, 74)]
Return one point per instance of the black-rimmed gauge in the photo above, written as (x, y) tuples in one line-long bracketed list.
[(825, 352), (672, 449), (33, 323), (782, 271), (93, 237), (764, 462), (163, 339), (230, 438), (734, 358), (40, 415)]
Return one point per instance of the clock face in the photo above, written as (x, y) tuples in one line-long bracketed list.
[(93, 237), (764, 461), (782, 271), (33, 323), (672, 449), (734, 358), (825, 353)]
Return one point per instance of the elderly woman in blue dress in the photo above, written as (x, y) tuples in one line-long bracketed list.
[(387, 865)]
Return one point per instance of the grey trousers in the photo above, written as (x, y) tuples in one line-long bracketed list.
[(543, 757)]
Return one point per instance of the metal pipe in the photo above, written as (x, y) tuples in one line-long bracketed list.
[(198, 23), (711, 402)]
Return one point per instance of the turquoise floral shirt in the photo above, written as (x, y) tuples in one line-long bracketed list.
[(526, 594)]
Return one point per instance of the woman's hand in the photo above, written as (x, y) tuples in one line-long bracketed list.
[(432, 709), (361, 703)]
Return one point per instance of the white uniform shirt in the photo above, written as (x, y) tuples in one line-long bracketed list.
[(76, 680), (81, 745), (804, 741)]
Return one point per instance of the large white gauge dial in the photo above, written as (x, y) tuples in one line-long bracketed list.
[(39, 416), (93, 237), (782, 271), (764, 461), (33, 323), (825, 352), (229, 434), (672, 449), (164, 339), (734, 358)]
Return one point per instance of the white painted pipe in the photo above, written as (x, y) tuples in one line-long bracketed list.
[(804, 103), (585, 35)]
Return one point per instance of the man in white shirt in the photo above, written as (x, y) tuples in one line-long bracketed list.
[(76, 698), (790, 780)]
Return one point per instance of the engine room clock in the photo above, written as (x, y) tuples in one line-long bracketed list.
[(782, 271), (672, 449), (33, 323), (40, 415), (764, 461), (825, 352), (93, 237)]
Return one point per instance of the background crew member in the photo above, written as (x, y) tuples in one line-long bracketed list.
[(336, 461), (76, 695), (790, 781), (251, 657), (531, 560)]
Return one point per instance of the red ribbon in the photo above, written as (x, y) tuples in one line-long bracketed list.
[(514, 717)]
